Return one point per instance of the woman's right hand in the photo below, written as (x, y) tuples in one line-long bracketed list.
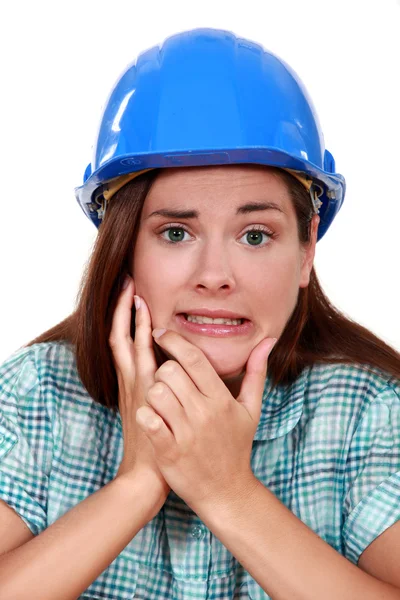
[(135, 365)]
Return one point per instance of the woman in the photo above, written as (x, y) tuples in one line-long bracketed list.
[(200, 462)]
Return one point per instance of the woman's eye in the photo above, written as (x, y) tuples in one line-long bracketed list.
[(253, 236), (175, 234)]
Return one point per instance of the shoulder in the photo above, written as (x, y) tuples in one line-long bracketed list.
[(31, 381), (31, 366), (43, 374), (350, 390), (350, 381)]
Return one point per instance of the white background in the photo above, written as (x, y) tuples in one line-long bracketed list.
[(58, 63)]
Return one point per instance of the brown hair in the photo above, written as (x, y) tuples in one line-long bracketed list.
[(316, 332)]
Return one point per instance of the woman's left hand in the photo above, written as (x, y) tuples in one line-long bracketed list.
[(203, 441)]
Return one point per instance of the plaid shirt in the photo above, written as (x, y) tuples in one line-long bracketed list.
[(327, 446)]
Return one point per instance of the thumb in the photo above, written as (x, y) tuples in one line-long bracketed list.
[(254, 380)]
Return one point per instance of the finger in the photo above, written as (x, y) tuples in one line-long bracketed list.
[(154, 427), (167, 406), (253, 383), (120, 339), (147, 418), (195, 363), (145, 359), (174, 377)]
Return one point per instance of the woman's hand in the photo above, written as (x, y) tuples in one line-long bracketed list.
[(201, 435), (135, 365)]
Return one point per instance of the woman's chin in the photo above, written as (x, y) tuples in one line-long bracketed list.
[(227, 371), (227, 367)]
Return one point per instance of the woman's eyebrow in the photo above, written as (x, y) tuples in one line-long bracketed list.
[(194, 214)]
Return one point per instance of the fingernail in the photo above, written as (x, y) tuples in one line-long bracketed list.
[(137, 302), (126, 282), (272, 344), (156, 333)]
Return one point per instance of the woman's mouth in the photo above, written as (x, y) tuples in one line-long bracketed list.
[(216, 328)]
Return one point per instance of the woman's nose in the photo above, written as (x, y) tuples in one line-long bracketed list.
[(214, 270)]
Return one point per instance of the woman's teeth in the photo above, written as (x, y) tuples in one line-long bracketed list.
[(199, 319)]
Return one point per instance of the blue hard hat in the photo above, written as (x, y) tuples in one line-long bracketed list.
[(208, 97)]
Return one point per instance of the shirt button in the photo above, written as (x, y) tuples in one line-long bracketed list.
[(198, 532)]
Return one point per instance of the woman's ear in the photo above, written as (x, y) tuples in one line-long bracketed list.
[(309, 253)]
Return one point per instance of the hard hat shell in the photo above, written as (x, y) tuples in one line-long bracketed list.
[(208, 97)]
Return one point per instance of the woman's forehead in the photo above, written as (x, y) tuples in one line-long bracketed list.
[(239, 190), (240, 177)]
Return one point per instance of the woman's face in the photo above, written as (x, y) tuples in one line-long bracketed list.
[(217, 261)]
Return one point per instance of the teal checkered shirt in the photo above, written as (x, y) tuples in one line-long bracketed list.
[(328, 446)]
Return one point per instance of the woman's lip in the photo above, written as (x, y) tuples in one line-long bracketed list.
[(214, 330)]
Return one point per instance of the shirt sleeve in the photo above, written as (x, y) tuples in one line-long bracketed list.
[(25, 440), (372, 501)]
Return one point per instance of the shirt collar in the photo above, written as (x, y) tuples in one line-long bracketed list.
[(281, 408)]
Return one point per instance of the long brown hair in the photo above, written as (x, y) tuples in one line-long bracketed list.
[(316, 332)]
